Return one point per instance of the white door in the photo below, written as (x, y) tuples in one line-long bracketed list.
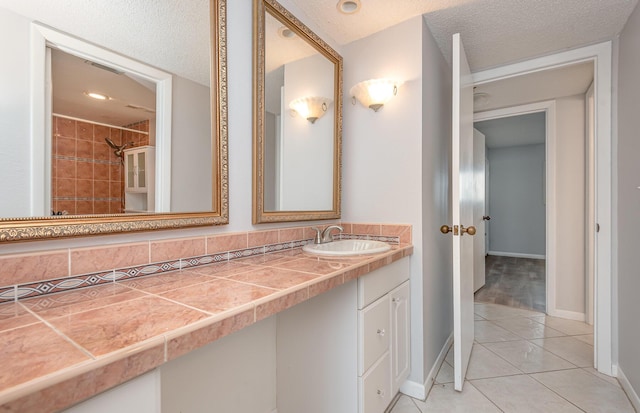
[(479, 211), (462, 211)]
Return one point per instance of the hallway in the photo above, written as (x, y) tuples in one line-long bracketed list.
[(524, 361)]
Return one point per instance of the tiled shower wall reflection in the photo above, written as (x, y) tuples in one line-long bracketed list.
[(87, 177)]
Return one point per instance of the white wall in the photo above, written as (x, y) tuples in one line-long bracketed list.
[(307, 149), (233, 374), (191, 179), (139, 395), (516, 200), (570, 196), (403, 150), (437, 286), (628, 201)]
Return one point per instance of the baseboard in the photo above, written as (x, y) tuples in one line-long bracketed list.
[(414, 389), (571, 315), (420, 390), (516, 255), (631, 392)]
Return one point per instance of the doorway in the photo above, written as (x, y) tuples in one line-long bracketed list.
[(562, 190), (515, 212), (601, 172)]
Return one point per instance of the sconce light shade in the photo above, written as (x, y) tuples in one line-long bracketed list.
[(311, 108), (374, 93)]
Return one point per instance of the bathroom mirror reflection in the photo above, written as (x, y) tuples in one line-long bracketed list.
[(103, 140), (297, 128), (147, 151)]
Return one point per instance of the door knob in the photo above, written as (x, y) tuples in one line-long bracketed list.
[(486, 218), (470, 230), (445, 229)]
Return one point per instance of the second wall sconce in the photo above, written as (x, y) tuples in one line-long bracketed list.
[(374, 93), (311, 108)]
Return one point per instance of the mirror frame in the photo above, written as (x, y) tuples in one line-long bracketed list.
[(37, 228), (280, 13)]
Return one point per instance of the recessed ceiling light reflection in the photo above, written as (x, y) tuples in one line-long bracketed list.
[(97, 96)]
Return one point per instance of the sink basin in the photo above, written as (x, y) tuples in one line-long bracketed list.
[(347, 247)]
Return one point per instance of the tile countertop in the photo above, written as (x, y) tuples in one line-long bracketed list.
[(60, 349)]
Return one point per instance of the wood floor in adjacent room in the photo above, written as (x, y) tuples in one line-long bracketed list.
[(516, 282)]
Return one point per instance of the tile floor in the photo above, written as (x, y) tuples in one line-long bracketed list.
[(524, 361)]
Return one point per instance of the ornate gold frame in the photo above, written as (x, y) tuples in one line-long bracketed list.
[(25, 229), (282, 14)]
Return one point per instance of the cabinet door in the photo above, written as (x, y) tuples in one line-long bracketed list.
[(375, 387), (400, 335), (141, 169), (374, 324), (130, 166)]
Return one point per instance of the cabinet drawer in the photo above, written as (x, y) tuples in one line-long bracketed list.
[(375, 387), (379, 282), (374, 325)]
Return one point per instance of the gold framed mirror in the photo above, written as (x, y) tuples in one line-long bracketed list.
[(297, 120), (172, 125)]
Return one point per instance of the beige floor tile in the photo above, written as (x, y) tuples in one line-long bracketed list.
[(608, 379), (587, 338), (444, 399), (445, 374), (477, 317), (405, 405), (497, 312), (522, 394), (586, 391), (570, 349), (488, 332), (569, 327), (485, 364), (528, 357), (527, 328)]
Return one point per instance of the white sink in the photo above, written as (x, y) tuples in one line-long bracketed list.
[(348, 247)]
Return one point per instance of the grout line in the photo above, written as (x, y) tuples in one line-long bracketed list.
[(60, 333)]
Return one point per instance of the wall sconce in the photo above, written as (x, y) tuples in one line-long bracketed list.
[(311, 108), (374, 93)]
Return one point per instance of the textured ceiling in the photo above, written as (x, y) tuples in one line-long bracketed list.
[(495, 32), (173, 35)]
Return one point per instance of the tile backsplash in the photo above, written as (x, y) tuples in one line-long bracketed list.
[(47, 272)]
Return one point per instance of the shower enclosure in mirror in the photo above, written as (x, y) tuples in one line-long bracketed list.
[(298, 118), (126, 125)]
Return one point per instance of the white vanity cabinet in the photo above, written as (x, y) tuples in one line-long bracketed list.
[(139, 179), (383, 335)]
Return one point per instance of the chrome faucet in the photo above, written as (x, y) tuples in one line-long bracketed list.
[(325, 236)]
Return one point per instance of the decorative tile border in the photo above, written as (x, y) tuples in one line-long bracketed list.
[(7, 294), (41, 288), (62, 284), (142, 270), (203, 260)]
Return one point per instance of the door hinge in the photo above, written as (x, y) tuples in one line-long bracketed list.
[(597, 227)]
